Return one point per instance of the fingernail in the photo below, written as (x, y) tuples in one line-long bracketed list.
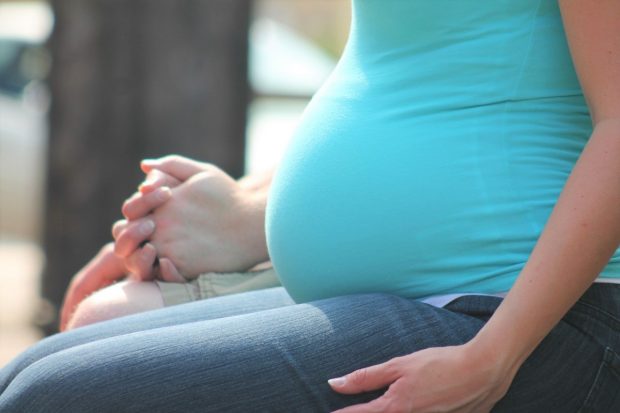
[(147, 227), (144, 188), (149, 161), (147, 182), (340, 381)]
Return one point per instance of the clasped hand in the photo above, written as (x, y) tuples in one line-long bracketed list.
[(206, 223), (189, 217)]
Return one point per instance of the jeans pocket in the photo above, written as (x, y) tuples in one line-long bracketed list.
[(604, 394)]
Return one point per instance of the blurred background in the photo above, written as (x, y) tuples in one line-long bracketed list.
[(90, 87)]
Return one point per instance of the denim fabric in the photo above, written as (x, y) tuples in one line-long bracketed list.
[(257, 352), (197, 311)]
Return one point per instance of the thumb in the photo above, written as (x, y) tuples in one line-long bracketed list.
[(177, 166), (366, 379)]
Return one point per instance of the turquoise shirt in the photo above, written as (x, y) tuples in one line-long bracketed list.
[(431, 159)]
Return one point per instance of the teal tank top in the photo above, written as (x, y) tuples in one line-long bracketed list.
[(431, 159)]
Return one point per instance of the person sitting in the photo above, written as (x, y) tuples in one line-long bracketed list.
[(444, 224)]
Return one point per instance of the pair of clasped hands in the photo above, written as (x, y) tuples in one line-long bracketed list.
[(186, 218), (189, 217)]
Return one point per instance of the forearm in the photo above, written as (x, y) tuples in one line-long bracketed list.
[(254, 225), (580, 237), (256, 187)]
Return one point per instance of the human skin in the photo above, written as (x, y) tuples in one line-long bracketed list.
[(101, 271), (210, 223), (105, 268), (565, 261), (474, 376), (87, 296)]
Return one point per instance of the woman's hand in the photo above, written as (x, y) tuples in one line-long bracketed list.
[(106, 267), (443, 379), (209, 223), (138, 255)]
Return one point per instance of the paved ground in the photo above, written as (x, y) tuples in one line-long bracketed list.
[(20, 268)]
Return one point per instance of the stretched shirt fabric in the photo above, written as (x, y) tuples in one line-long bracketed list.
[(431, 159)]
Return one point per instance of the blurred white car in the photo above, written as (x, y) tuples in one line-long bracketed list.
[(24, 28)]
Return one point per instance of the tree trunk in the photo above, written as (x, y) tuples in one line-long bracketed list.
[(134, 79)]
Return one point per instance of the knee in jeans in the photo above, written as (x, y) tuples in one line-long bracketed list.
[(48, 386)]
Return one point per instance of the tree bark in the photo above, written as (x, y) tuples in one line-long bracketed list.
[(134, 79)]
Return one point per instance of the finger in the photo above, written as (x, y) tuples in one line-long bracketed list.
[(390, 401), (118, 227), (168, 272), (132, 236), (157, 179), (140, 263), (101, 271), (383, 404), (366, 379), (178, 167), (142, 205)]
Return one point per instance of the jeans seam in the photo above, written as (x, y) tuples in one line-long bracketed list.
[(606, 365), (614, 320), (610, 357), (587, 403)]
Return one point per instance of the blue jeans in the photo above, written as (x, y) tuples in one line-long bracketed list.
[(259, 351)]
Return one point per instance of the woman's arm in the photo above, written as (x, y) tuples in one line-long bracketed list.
[(579, 238), (583, 230)]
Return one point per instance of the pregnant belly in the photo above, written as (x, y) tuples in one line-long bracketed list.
[(414, 209)]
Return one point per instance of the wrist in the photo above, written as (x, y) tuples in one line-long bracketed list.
[(257, 182), (505, 352), (488, 367), (253, 227)]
